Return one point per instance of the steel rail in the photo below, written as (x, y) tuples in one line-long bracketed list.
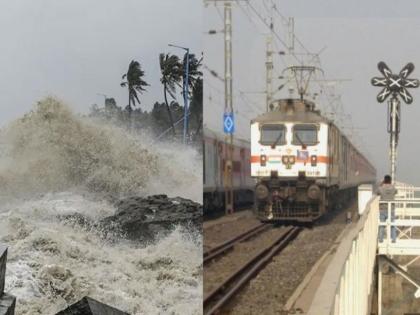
[(219, 296), (225, 246)]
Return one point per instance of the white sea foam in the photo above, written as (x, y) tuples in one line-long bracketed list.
[(53, 162), (51, 149)]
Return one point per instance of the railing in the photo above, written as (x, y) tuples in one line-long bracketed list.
[(406, 191), (400, 223), (346, 286)]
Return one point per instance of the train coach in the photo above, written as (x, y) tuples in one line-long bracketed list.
[(303, 164), (214, 156)]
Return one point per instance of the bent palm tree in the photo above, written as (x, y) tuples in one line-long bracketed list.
[(194, 72), (134, 82), (171, 70), (196, 105)]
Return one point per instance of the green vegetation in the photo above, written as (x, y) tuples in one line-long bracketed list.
[(171, 70), (165, 120), (134, 83)]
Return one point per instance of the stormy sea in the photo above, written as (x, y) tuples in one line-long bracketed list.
[(55, 164)]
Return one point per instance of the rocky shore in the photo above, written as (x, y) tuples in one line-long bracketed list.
[(145, 218)]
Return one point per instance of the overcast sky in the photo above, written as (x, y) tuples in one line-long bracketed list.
[(74, 49), (356, 34)]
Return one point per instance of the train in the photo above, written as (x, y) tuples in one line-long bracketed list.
[(302, 163), (215, 148)]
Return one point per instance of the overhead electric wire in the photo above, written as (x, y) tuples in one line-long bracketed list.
[(285, 19), (265, 23), (241, 93), (219, 13), (332, 104), (248, 16)]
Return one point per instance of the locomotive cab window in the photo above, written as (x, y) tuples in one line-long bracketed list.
[(305, 134), (273, 135)]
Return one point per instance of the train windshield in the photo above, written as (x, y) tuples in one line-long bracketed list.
[(305, 134), (273, 135)]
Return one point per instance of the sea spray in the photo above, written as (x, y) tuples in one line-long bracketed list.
[(53, 163), (51, 149), (52, 264)]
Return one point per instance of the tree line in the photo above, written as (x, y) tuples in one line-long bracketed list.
[(165, 120)]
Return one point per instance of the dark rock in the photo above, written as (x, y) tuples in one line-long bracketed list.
[(89, 306), (7, 304), (141, 218), (76, 219), (3, 260)]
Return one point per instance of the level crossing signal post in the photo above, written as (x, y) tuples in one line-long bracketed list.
[(394, 85)]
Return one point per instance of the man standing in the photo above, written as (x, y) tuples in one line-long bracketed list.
[(387, 192)]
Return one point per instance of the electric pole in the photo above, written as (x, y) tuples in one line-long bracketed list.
[(185, 88), (291, 34), (228, 117), (228, 107), (291, 48), (269, 67)]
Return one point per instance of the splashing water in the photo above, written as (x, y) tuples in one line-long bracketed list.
[(53, 163), (51, 149)]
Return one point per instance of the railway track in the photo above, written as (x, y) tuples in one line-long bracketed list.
[(220, 212), (218, 250), (224, 292)]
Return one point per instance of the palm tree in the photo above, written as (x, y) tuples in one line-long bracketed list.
[(171, 70), (133, 80), (193, 72), (196, 105)]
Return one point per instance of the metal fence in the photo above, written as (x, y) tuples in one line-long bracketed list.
[(406, 191), (400, 224)]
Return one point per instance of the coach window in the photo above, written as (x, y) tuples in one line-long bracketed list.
[(273, 135), (306, 134)]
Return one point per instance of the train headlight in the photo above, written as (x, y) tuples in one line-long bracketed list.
[(314, 192), (314, 160), (261, 192), (263, 160), (292, 159), (285, 159)]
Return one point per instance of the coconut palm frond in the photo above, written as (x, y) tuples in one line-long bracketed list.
[(134, 82), (170, 66)]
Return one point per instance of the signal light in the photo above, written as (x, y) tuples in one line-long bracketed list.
[(263, 160), (314, 160)]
